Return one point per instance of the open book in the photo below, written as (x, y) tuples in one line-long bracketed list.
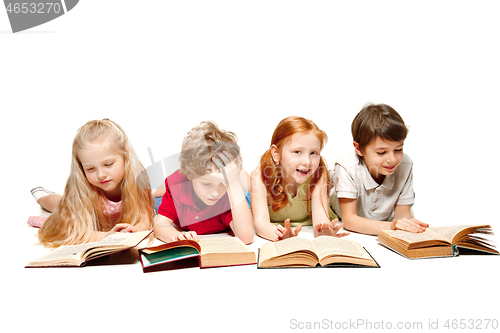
[(325, 251), (78, 255), (208, 252), (438, 241)]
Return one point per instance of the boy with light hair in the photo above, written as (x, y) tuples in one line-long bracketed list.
[(206, 195)]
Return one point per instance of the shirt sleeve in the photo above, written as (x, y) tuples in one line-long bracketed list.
[(407, 196), (226, 218), (345, 186), (167, 207)]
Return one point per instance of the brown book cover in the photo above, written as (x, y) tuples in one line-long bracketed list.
[(209, 252)]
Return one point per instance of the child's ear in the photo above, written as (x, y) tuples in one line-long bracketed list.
[(356, 146), (275, 154)]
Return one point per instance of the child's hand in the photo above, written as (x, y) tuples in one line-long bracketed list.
[(120, 227), (287, 231), (411, 225), (230, 169), (192, 235), (329, 229), (123, 227)]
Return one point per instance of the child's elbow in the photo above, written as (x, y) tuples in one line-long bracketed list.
[(348, 223), (247, 237), (155, 228)]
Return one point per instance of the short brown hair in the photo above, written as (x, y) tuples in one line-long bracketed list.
[(378, 120), (202, 143)]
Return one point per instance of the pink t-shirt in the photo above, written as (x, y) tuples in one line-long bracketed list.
[(112, 210)]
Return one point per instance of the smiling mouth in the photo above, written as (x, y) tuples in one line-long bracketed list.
[(303, 172), (390, 168), (104, 182)]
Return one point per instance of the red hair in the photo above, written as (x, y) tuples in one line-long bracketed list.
[(272, 174)]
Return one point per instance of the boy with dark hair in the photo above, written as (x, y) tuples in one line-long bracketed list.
[(374, 184)]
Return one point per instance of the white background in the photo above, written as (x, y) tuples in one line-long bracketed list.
[(160, 67)]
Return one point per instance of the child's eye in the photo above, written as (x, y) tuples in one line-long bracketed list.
[(297, 152), (206, 184), (314, 153), (109, 164), (399, 150), (381, 153), (89, 169)]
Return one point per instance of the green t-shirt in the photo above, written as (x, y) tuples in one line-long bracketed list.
[(296, 208)]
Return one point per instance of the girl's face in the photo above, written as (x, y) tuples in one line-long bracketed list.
[(299, 158), (381, 157), (104, 168)]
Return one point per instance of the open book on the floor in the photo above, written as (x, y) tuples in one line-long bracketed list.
[(438, 241), (323, 251), (207, 252), (78, 255)]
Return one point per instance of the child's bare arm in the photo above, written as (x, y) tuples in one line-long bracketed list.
[(260, 212), (403, 220), (165, 231), (322, 225), (233, 175), (144, 223), (363, 225), (159, 192), (242, 224), (120, 227), (263, 226), (359, 224)]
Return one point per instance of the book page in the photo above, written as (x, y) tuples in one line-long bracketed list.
[(115, 241), (223, 245), (63, 253), (410, 237), (450, 232), (121, 238), (294, 251), (327, 245), (292, 244)]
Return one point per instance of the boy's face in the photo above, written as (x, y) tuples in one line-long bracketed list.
[(381, 157), (209, 188)]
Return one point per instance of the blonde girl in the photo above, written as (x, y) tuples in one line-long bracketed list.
[(290, 186), (107, 190)]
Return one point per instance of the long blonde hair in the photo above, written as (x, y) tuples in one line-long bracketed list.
[(80, 212)]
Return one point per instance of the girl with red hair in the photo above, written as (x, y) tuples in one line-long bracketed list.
[(290, 186)]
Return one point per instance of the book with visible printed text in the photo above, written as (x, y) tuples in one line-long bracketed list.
[(439, 241), (323, 251), (79, 255)]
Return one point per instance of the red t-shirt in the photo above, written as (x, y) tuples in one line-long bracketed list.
[(178, 205)]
